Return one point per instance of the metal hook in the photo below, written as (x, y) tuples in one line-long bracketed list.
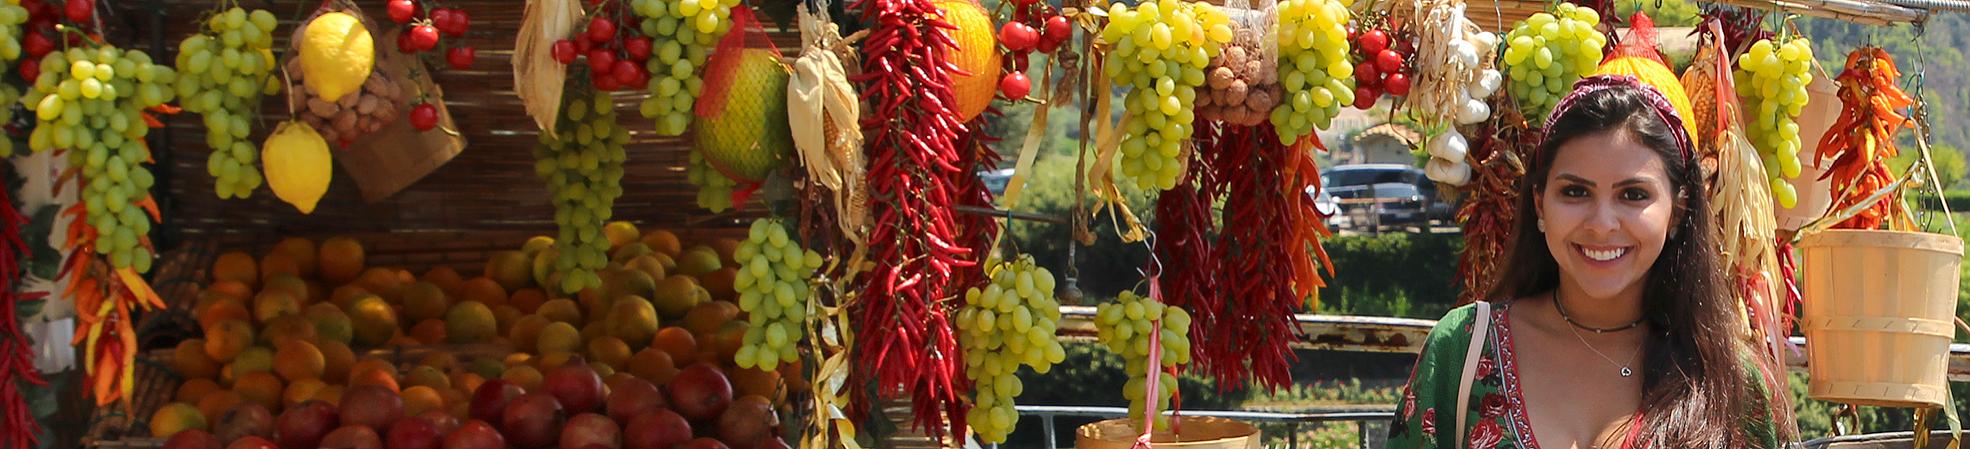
[(1155, 263)]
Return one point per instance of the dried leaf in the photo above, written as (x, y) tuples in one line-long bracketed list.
[(537, 77)]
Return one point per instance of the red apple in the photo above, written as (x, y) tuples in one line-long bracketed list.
[(703, 443), (748, 420), (252, 442), (475, 434), (303, 426), (533, 421), (352, 437), (658, 429), (192, 439), (589, 429), (700, 393), (415, 433), (576, 386), (631, 397), (489, 401)]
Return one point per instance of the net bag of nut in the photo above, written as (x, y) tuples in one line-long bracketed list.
[(333, 84), (1242, 83)]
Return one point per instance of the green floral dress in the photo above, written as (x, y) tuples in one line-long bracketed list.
[(1496, 418)]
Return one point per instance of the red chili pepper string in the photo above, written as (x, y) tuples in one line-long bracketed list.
[(1184, 228), (976, 231), (1261, 247), (1787, 272), (905, 342), (1489, 214), (16, 357)]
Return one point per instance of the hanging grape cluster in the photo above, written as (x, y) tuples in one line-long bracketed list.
[(1313, 65), (683, 33), (90, 102), (1547, 52), (772, 283), (1125, 326), (1010, 322), (1772, 79), (582, 164), (227, 67), (1160, 51)]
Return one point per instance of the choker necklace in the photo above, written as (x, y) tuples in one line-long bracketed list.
[(1560, 305), (1626, 371)]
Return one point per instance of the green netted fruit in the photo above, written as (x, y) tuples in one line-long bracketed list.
[(750, 137)]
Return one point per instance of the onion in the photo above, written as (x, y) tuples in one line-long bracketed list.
[(1446, 171), (1449, 145)]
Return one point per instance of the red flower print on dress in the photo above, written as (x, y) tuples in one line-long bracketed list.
[(1492, 406), (1486, 435), (1408, 402), (1486, 367), (1429, 422)]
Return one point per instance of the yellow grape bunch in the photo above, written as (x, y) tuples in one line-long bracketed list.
[(683, 33), (90, 102), (1008, 323), (583, 168), (1125, 326), (1313, 66), (1771, 79), (1547, 52), (227, 67), (1159, 49), (773, 277)]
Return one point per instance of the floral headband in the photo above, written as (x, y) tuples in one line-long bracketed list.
[(1657, 102)]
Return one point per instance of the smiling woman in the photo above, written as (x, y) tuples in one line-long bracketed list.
[(1611, 326)]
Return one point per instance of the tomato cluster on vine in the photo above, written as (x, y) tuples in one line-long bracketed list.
[(615, 49), (426, 28), (1035, 26), (39, 33), (1382, 62)]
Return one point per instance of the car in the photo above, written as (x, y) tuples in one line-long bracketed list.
[(1374, 195)]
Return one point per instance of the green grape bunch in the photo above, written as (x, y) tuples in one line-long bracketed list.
[(12, 15), (1125, 326), (227, 67), (1313, 66), (1008, 323), (90, 103), (1547, 52), (1771, 79), (1159, 49), (773, 290), (714, 189), (583, 168), (682, 33)]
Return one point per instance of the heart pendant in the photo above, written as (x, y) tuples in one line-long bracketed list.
[(1625, 372)]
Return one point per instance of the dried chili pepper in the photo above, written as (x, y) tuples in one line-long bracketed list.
[(16, 357), (1184, 232), (906, 342), (1491, 210)]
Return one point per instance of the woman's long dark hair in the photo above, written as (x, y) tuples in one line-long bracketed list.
[(1694, 390)]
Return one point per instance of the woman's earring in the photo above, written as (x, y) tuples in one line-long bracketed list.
[(1542, 225)]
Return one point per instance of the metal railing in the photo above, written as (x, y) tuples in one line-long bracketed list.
[(1369, 421)]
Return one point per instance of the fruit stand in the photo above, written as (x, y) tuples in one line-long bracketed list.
[(755, 224)]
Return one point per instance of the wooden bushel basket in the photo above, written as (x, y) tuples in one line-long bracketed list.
[(1198, 432), (1880, 310)]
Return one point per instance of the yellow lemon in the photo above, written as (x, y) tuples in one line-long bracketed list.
[(297, 165), (337, 53)]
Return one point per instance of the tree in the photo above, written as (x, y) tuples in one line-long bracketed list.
[(1950, 163)]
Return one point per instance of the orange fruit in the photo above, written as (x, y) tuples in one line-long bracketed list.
[(299, 360), (340, 260), (752, 381), (609, 351), (223, 310), (526, 376), (260, 388), (706, 318), (301, 391), (466, 381), (679, 343), (218, 402), (337, 360), (663, 241), (383, 282), (485, 290), (236, 266), (429, 332), (421, 398), (653, 365), (176, 417), (226, 339), (234, 289), (302, 252), (528, 300), (331, 394), (374, 377), (445, 278), (189, 360), (194, 389), (277, 264)]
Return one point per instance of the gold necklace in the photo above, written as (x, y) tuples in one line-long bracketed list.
[(1574, 328)]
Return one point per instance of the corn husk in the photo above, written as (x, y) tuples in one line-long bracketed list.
[(824, 110), (537, 77)]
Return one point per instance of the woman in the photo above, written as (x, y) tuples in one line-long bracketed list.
[(1612, 327)]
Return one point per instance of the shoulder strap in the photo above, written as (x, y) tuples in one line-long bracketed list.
[(1480, 329)]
